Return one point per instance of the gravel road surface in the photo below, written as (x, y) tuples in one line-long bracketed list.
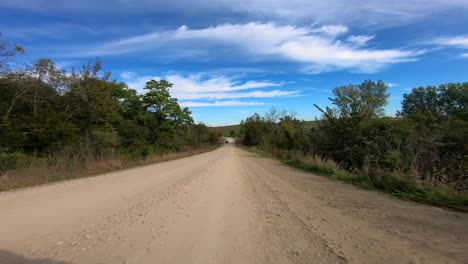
[(224, 206)]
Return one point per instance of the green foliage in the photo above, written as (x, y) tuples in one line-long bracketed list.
[(441, 118), (201, 134), (252, 130), (225, 131), (359, 102), (388, 183), (13, 160), (84, 116), (420, 155), (395, 186), (163, 115), (421, 100), (278, 129), (436, 102), (453, 98)]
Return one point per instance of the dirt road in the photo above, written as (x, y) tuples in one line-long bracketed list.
[(225, 206)]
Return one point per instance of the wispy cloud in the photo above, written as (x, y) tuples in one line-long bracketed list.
[(54, 31), (198, 83), (460, 42), (130, 75), (363, 12), (360, 40), (236, 95), (319, 49), (219, 103), (209, 88), (456, 41), (331, 30)]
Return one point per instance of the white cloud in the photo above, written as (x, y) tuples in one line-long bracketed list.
[(252, 37), (197, 83), (331, 30), (458, 41), (64, 64), (219, 104), (359, 12), (128, 75), (320, 49), (55, 31), (360, 40), (200, 87), (235, 95), (329, 55)]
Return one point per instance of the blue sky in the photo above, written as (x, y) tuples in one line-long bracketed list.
[(228, 59)]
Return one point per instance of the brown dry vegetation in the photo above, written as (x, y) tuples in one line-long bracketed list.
[(40, 170)]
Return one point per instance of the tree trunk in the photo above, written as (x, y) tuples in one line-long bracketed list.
[(7, 115)]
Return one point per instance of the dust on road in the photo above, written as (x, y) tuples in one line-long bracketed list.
[(225, 206)]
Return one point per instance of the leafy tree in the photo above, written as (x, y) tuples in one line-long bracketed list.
[(253, 129), (354, 104), (421, 100), (453, 98), (292, 134), (158, 101), (18, 83), (73, 119), (362, 101), (90, 98), (200, 135), (163, 115), (425, 144), (439, 102)]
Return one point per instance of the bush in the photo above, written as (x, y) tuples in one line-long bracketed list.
[(14, 160), (412, 156)]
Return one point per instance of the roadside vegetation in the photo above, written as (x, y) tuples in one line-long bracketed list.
[(57, 124), (226, 131), (419, 155)]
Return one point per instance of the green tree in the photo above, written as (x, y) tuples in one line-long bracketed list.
[(354, 104), (158, 101), (73, 119), (253, 129), (362, 101), (453, 98), (421, 100), (16, 87), (163, 114)]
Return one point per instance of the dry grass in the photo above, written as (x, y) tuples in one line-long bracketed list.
[(389, 183), (45, 171)]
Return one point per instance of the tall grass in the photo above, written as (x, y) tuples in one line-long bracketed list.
[(396, 185), (20, 170)]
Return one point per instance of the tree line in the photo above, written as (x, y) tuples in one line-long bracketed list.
[(425, 144), (84, 115)]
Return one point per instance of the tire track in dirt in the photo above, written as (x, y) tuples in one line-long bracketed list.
[(225, 206)]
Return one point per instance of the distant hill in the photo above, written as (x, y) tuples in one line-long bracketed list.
[(225, 131)]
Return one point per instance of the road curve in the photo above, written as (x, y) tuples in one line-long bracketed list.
[(225, 206)]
